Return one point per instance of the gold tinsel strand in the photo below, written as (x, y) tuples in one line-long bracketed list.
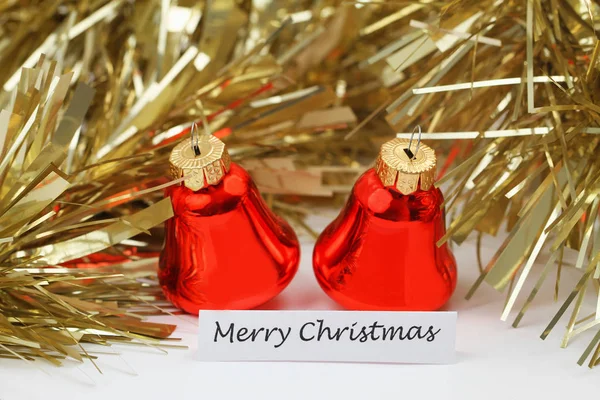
[(97, 93)]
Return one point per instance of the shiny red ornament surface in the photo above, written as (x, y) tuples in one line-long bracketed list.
[(381, 253), (224, 248)]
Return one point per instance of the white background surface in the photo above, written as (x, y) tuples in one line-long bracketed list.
[(495, 361)]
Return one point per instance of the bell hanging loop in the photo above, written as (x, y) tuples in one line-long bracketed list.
[(195, 139), (408, 151)]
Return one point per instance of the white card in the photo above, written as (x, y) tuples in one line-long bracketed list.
[(338, 336)]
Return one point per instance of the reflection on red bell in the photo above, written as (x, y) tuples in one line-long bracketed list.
[(224, 248), (381, 253)]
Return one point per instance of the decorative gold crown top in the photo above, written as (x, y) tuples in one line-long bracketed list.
[(395, 166), (207, 168)]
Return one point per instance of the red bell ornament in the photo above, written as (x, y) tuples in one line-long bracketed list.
[(381, 253), (224, 248)]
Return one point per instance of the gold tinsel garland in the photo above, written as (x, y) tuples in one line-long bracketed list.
[(96, 93)]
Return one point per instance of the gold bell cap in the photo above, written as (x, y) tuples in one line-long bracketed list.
[(203, 170), (396, 169)]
